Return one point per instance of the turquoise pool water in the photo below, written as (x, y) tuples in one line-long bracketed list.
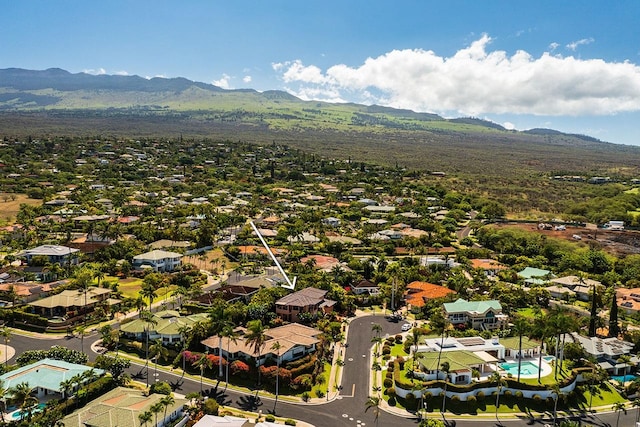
[(18, 414), (549, 358), (624, 378), (526, 368)]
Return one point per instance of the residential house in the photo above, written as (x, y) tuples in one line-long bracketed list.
[(607, 352), (225, 421), (295, 341), (365, 287), (166, 326), (581, 287), (491, 267), (530, 348), (479, 315), (72, 302), (418, 293), (158, 260), (47, 377), (122, 407), (308, 300), (55, 254), (535, 276), (628, 299)]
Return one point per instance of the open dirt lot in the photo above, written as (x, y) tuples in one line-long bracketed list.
[(9, 208)]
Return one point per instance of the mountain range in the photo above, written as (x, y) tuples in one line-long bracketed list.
[(54, 100)]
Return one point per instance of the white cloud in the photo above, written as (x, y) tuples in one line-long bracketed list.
[(121, 73), (95, 72), (574, 45), (474, 81), (223, 82), (553, 46), (246, 79)]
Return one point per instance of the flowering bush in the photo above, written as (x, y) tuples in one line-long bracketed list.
[(238, 367), (269, 373)]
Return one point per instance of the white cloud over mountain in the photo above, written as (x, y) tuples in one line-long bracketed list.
[(475, 81)]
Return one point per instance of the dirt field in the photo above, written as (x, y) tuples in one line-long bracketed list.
[(9, 208), (619, 243)]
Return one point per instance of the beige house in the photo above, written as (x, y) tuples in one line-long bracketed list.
[(308, 300), (70, 303)]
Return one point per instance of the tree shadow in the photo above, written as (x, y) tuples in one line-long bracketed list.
[(249, 402)]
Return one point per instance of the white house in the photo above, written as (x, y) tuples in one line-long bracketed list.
[(158, 260)]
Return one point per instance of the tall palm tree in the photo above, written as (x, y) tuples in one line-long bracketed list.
[(158, 351), (148, 319), (500, 382), (276, 347), (373, 402), (184, 332), (203, 363), (377, 328), (82, 331), (521, 326), (555, 388), (145, 417), (220, 320), (256, 337), (5, 333), (148, 291), (167, 401), (82, 280), (156, 408), (232, 336), (619, 407), (445, 368)]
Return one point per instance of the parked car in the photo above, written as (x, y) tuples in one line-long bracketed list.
[(406, 327)]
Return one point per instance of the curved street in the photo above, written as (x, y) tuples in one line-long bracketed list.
[(347, 409)]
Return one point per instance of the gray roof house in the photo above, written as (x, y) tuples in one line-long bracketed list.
[(158, 260)]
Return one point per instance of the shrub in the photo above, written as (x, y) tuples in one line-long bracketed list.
[(480, 395), (519, 394), (388, 374), (270, 418), (302, 382), (391, 391), (537, 398), (508, 393), (320, 393), (238, 367), (392, 401), (455, 398), (289, 422), (390, 364), (410, 398), (388, 382), (427, 395), (398, 339), (386, 357), (161, 387), (386, 349), (400, 361), (211, 407), (306, 396), (471, 399)]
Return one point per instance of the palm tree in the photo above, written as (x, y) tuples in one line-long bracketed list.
[(3, 396), (82, 331), (220, 320), (619, 407), (184, 332), (555, 388), (145, 417), (5, 333), (82, 280), (276, 347), (232, 336), (158, 351), (256, 337), (148, 319), (377, 328), (521, 326), (373, 402), (203, 363), (21, 395), (148, 291), (445, 368), (156, 408), (167, 401), (500, 382)]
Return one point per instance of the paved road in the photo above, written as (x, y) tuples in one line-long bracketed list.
[(348, 410)]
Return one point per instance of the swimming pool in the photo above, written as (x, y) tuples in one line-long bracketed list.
[(526, 368), (548, 358), (20, 414), (624, 378)]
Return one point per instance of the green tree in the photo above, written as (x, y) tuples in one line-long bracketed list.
[(521, 326), (5, 333), (219, 322), (256, 337), (373, 403), (276, 348), (145, 417), (619, 407), (167, 401), (203, 363), (158, 352), (499, 382)]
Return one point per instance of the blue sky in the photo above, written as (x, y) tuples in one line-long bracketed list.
[(561, 64)]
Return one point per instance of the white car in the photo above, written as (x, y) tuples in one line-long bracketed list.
[(406, 327)]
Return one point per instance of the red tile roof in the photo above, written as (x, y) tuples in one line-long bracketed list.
[(419, 292)]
